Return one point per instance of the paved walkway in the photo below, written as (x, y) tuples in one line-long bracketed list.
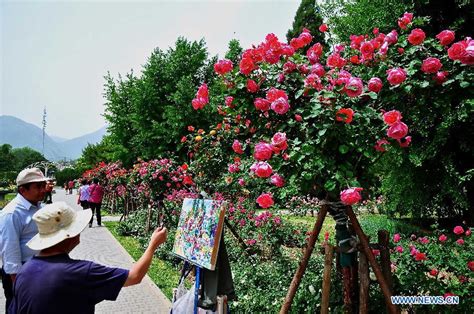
[(98, 245)]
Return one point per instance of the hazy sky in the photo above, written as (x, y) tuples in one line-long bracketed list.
[(55, 54)]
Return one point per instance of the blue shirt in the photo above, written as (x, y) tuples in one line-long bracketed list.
[(84, 193), (59, 284), (17, 228)]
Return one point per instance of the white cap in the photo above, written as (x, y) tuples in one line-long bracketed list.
[(30, 175)]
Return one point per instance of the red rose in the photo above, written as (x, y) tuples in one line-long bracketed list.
[(223, 66), (261, 104), (441, 77), (237, 147), (298, 118), (445, 37), (396, 76), (420, 257), (434, 272), (460, 241), (392, 117), (323, 28), (345, 115), (379, 145), (416, 37), (458, 230), (277, 180), (367, 49), (279, 142), (470, 265), (246, 66), (252, 87), (442, 238), (375, 85), (397, 130), (351, 196), (462, 51), (265, 200), (280, 106), (431, 65)]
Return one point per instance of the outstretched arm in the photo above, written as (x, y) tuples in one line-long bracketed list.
[(139, 269)]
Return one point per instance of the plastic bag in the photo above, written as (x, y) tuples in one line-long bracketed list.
[(185, 303)]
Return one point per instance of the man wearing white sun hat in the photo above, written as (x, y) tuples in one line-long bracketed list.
[(52, 282)]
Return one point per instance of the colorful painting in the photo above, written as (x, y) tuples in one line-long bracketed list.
[(199, 231)]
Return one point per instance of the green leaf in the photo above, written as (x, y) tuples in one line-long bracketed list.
[(330, 185), (299, 93), (343, 149), (322, 132), (464, 84)]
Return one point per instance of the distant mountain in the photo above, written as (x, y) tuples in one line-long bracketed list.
[(58, 139), (19, 133)]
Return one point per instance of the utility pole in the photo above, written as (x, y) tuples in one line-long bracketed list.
[(44, 127)]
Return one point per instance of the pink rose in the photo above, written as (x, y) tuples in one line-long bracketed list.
[(228, 101), (379, 146), (468, 232), (263, 151), (252, 87), (375, 84), (367, 49), (354, 87), (416, 37), (399, 249), (277, 180), (458, 230), (462, 51), (431, 65), (262, 169), (351, 196), (442, 238), (279, 142), (441, 77), (289, 67), (261, 104), (396, 237), (445, 37), (396, 76), (318, 69), (274, 94), (460, 241), (404, 142), (298, 118), (241, 182), (392, 117), (265, 200), (280, 106), (233, 168), (237, 147), (397, 130)]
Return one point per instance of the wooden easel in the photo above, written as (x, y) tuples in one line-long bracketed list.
[(364, 243)]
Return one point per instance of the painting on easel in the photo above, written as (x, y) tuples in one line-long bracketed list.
[(199, 231)]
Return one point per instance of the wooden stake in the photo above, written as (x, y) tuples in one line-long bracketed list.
[(392, 309), (304, 262), (364, 284), (383, 237), (328, 252)]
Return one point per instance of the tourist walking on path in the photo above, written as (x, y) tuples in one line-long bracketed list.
[(83, 194), (48, 198), (96, 193), (17, 226), (68, 285), (70, 186)]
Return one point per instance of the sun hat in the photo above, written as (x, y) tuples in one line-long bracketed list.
[(57, 222), (30, 175)]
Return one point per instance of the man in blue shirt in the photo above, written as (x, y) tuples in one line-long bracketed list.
[(52, 282), (17, 226)]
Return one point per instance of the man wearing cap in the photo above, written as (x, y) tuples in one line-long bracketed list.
[(17, 226), (52, 282)]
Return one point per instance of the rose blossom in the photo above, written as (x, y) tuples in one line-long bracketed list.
[(442, 238), (434, 272), (440, 77), (445, 37), (420, 257), (279, 142), (323, 28), (379, 145), (458, 230), (460, 241), (261, 104), (298, 118), (237, 147), (375, 85), (431, 65), (223, 66), (399, 249), (280, 106), (396, 237), (354, 87), (396, 76), (263, 151), (262, 169), (470, 265), (392, 117), (416, 37), (277, 180), (265, 200), (345, 115), (252, 87), (351, 196), (468, 232), (397, 130)]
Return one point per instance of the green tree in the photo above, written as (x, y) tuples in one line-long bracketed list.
[(92, 154), (307, 16), (26, 156), (234, 52), (67, 174), (7, 158)]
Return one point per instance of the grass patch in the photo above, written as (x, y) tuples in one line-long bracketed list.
[(164, 275)]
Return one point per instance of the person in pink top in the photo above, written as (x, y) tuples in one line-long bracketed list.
[(96, 192)]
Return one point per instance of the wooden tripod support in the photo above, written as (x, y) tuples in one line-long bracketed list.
[(392, 309)]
